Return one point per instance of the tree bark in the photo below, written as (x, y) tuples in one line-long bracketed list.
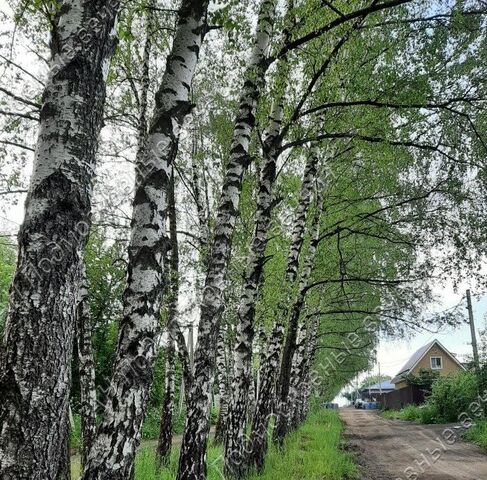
[(164, 444), (86, 370), (35, 373), (163, 450), (302, 378), (235, 451), (222, 375), (284, 417), (270, 364), (192, 462), (112, 456)]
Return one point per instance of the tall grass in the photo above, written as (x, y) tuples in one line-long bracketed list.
[(312, 453), (478, 434)]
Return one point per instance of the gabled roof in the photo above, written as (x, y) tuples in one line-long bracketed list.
[(418, 356)]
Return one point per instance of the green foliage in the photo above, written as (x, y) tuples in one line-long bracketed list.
[(75, 433), (478, 434), (105, 269), (450, 397), (314, 452), (453, 395), (7, 269), (410, 413), (426, 414), (152, 422), (424, 380)]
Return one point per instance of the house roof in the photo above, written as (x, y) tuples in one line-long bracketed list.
[(418, 356), (386, 385)]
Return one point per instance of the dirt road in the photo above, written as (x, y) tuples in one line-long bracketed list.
[(396, 450)]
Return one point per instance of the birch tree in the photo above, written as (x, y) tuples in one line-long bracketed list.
[(291, 352), (86, 367), (242, 374), (192, 462), (165, 435), (113, 453), (269, 368), (37, 345)]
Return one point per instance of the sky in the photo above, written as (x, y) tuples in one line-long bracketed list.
[(392, 355)]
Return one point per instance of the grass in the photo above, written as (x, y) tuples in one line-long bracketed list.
[(312, 453), (426, 414), (478, 434)]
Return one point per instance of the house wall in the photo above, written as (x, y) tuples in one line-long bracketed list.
[(449, 366), (402, 384)]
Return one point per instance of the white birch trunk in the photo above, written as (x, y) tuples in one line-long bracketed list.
[(192, 462), (270, 366), (222, 379), (235, 451), (35, 371), (112, 456), (86, 370), (283, 420)]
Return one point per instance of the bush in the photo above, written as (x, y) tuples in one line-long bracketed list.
[(428, 414), (152, 422), (453, 395), (411, 413)]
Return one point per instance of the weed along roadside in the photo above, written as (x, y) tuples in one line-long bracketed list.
[(313, 452)]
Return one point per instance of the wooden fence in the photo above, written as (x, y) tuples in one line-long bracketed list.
[(397, 399)]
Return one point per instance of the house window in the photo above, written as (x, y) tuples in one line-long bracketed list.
[(436, 363)]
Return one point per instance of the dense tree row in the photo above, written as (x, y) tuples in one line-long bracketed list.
[(282, 180)]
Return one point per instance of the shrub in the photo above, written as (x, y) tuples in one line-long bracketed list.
[(152, 423), (453, 395), (428, 414), (411, 413), (150, 429)]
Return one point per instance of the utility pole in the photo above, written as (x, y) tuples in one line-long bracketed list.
[(472, 331), (380, 380)]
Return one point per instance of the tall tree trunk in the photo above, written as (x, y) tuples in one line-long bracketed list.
[(112, 455), (35, 373), (305, 378), (192, 462), (297, 373), (283, 418), (164, 444), (235, 451), (222, 376), (86, 370), (163, 450), (270, 365)]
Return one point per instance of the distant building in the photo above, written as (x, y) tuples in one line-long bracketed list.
[(370, 393), (433, 356)]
